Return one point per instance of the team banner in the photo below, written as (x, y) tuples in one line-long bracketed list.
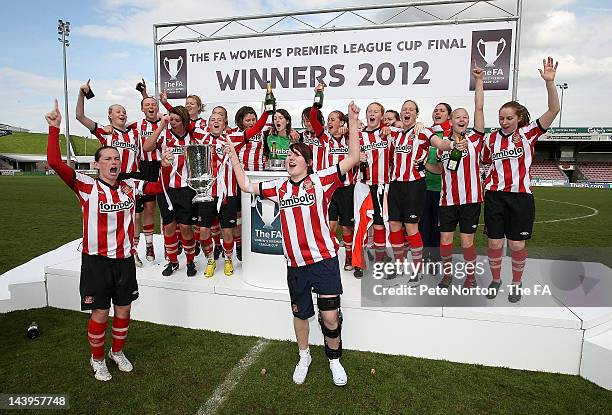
[(414, 62)]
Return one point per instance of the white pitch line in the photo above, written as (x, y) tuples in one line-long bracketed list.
[(593, 210), (233, 377)]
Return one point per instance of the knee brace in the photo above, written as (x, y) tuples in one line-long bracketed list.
[(329, 304)]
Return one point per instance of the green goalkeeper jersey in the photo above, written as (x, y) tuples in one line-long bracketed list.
[(278, 147)]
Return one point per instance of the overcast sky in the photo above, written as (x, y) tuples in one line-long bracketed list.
[(112, 43)]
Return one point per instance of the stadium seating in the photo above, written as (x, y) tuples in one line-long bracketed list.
[(596, 171), (547, 170)]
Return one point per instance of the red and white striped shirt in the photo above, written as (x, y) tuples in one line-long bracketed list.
[(337, 150), (251, 154), (377, 149), (146, 130), (317, 145), (126, 142), (307, 238), (108, 215), (178, 176), (511, 161), (408, 151), (462, 186)]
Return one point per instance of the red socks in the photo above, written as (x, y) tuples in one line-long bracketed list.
[(469, 255), (171, 245), (95, 337), (347, 238), (207, 246), (120, 330), (189, 247), (416, 248), (228, 248), (495, 261), (397, 244), (446, 252), (379, 244), (518, 264), (148, 232)]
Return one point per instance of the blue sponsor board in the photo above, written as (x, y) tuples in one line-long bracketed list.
[(266, 234)]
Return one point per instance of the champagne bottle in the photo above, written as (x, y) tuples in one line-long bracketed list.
[(363, 168), (455, 155), (318, 100), (270, 101)]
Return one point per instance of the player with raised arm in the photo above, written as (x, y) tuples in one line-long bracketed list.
[(118, 134), (461, 195), (336, 148), (509, 208), (310, 249), (176, 208), (409, 146), (108, 271)]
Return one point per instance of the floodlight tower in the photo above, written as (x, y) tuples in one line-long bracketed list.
[(63, 31)]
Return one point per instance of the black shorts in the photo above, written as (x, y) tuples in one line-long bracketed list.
[(377, 201), (406, 201), (239, 197), (149, 172), (104, 279), (341, 206), (227, 214), (467, 216), (322, 277), (182, 209), (509, 214)]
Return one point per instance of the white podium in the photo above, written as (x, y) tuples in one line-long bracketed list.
[(263, 261)]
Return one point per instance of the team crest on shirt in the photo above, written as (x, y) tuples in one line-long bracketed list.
[(307, 185), (125, 189)]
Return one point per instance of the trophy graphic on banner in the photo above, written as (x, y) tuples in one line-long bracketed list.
[(490, 54), (199, 159), (266, 212), (173, 66)]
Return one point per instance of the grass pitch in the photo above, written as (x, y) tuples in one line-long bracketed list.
[(177, 370)]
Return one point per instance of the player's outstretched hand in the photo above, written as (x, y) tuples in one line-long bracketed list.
[(54, 118)]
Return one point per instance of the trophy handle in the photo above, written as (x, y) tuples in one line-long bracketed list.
[(180, 64), (502, 41), (480, 42), (257, 205), (166, 60)]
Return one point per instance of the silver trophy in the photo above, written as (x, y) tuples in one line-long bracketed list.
[(199, 158)]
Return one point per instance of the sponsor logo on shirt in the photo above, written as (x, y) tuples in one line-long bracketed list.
[(115, 207), (341, 150), (177, 150), (508, 153), (124, 144), (405, 148), (293, 201), (312, 141), (372, 146)]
